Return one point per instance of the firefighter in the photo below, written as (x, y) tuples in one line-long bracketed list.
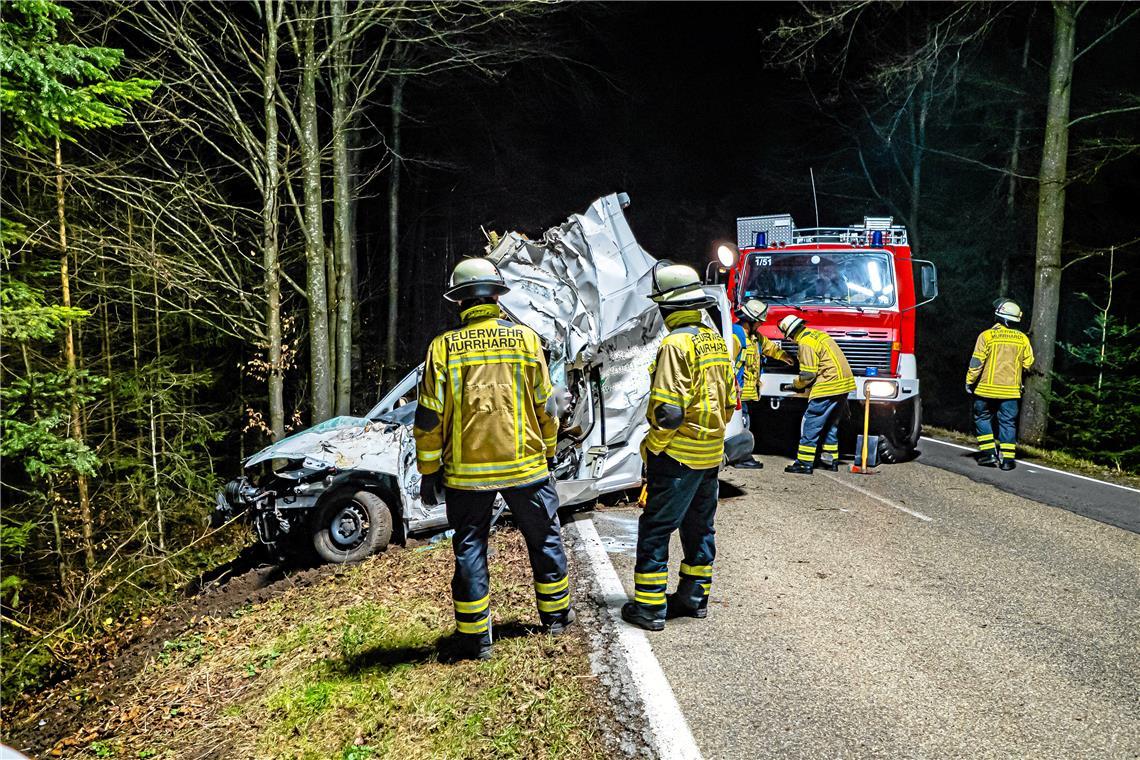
[(823, 369), (1001, 354), (747, 347), (692, 397), (484, 426)]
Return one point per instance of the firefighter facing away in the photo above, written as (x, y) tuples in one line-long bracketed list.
[(1001, 354), (825, 371), (692, 397), (484, 425), (748, 345)]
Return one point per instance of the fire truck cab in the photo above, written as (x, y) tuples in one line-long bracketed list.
[(860, 285)]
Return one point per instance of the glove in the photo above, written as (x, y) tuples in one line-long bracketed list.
[(787, 387), (969, 390), (429, 489), (550, 464)]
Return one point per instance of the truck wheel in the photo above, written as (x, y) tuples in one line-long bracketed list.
[(350, 526), (901, 439)]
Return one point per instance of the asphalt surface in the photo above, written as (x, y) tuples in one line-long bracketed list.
[(913, 613)]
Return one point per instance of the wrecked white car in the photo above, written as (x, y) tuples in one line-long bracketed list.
[(348, 484)]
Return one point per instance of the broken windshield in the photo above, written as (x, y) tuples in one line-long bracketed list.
[(862, 279)]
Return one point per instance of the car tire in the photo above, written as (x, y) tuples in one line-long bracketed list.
[(350, 526)]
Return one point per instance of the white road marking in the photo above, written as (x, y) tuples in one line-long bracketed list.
[(1039, 466), (878, 498), (670, 731)]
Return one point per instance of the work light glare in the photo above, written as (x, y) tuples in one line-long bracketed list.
[(726, 255)]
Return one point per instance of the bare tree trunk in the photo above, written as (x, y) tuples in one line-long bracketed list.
[(1050, 225), (157, 434), (1014, 167), (112, 423), (314, 225), (342, 212), (269, 217), (86, 522), (394, 230)]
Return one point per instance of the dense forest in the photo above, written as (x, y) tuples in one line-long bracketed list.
[(224, 222)]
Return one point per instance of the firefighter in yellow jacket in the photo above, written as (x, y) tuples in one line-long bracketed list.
[(484, 425), (748, 345), (691, 399), (1001, 354), (825, 373)]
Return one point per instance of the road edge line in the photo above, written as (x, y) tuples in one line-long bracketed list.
[(672, 737), (1027, 463)]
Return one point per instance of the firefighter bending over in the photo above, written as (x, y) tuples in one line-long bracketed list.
[(484, 426), (691, 399), (747, 347), (823, 369), (1000, 355)]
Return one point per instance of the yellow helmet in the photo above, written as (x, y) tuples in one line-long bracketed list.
[(1009, 311), (475, 278), (678, 286), (791, 324)]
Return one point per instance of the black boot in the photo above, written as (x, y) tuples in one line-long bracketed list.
[(558, 626), (749, 464), (677, 607), (1008, 464), (832, 466), (476, 646), (799, 468), (988, 460), (633, 614)]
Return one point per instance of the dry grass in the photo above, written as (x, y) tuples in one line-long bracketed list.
[(352, 668)]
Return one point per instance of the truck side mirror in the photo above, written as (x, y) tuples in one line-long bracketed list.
[(929, 280)]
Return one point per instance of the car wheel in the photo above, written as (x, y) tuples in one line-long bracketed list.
[(901, 440), (351, 526)]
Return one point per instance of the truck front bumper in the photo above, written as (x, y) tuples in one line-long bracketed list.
[(886, 390)]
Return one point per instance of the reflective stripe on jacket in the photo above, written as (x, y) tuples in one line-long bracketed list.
[(748, 362), (1000, 355), (822, 365), (483, 415), (692, 393)]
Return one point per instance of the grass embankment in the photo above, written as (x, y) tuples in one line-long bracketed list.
[(352, 668), (1048, 457)]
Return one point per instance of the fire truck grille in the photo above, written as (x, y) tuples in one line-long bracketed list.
[(860, 354)]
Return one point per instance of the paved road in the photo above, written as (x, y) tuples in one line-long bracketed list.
[(924, 615)]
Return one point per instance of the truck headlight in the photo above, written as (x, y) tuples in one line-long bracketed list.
[(881, 389)]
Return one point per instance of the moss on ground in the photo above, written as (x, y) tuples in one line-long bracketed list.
[(359, 667)]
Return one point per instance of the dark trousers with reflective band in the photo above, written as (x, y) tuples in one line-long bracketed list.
[(535, 510), (995, 423), (678, 497), (821, 421)]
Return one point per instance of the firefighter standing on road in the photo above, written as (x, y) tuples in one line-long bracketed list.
[(692, 397), (747, 347), (1000, 355), (824, 369), (483, 427)]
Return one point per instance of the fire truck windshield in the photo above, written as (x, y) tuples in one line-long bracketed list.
[(840, 278)]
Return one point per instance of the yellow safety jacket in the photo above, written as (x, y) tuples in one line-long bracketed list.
[(822, 365), (750, 359), (692, 393), (483, 414), (1000, 355)]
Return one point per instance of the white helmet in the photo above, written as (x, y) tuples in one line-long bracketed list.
[(791, 324), (1009, 311), (678, 286), (475, 278), (752, 311)]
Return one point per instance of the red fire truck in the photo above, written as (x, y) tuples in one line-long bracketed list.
[(861, 286)]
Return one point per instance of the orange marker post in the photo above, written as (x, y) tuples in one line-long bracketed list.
[(855, 468)]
